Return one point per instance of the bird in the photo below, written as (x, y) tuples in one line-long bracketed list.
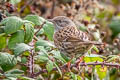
[(69, 39)]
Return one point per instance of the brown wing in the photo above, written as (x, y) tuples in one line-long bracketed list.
[(69, 40), (70, 34)]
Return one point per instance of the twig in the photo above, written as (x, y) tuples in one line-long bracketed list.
[(31, 63), (81, 64), (40, 27), (31, 57), (31, 60), (35, 38)]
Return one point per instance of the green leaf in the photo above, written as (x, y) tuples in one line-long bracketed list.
[(93, 58), (112, 58), (74, 76), (42, 57), (35, 19), (102, 70), (49, 30), (10, 78), (2, 42), (83, 28), (16, 38), (24, 60), (20, 48), (58, 56), (12, 24), (7, 61), (96, 49), (14, 1), (43, 43), (15, 71), (29, 32), (58, 69), (25, 78), (49, 66), (78, 77), (40, 32), (93, 47)]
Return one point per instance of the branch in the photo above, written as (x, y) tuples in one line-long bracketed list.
[(30, 64), (40, 27), (81, 64)]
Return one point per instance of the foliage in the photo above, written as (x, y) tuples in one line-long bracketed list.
[(27, 51)]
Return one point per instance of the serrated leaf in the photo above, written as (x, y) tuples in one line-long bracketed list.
[(49, 30), (29, 32), (43, 43), (7, 61), (12, 24), (16, 38), (20, 48), (49, 66), (35, 19)]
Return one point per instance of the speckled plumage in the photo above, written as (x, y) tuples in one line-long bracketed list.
[(68, 39)]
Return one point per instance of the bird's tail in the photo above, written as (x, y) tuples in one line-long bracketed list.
[(92, 42)]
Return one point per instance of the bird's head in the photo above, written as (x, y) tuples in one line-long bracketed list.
[(62, 21)]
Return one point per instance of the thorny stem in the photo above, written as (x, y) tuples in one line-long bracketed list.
[(31, 64), (81, 64), (31, 57), (31, 60)]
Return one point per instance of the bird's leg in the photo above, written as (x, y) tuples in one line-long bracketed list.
[(69, 64), (79, 61)]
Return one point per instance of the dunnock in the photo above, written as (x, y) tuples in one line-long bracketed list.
[(68, 39)]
